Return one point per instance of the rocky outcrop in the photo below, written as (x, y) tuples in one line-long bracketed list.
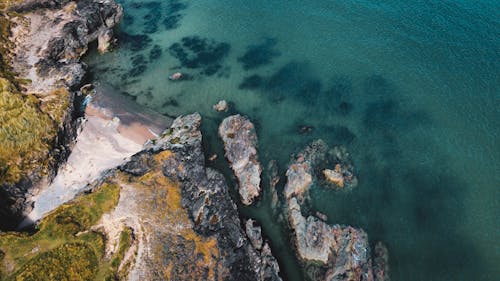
[(331, 252), (267, 267), (221, 106), (211, 243), (240, 141), (49, 37)]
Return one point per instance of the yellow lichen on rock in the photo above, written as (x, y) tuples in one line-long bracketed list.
[(178, 252)]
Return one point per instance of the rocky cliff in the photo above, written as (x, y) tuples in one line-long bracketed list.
[(47, 39), (171, 219)]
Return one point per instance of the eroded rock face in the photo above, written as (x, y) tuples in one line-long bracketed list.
[(331, 252), (240, 141), (49, 37), (191, 229)]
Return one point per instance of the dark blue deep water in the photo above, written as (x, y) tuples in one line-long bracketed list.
[(411, 88)]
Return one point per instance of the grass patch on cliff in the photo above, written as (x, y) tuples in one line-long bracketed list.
[(28, 125), (71, 261), (25, 134), (64, 240)]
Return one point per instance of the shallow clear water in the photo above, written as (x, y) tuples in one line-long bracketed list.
[(412, 88)]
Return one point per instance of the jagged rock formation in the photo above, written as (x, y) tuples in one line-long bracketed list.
[(267, 266), (227, 253), (240, 141), (49, 37), (332, 252), (166, 217)]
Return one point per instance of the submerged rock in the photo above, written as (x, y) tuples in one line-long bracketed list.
[(381, 262), (240, 141), (274, 179)]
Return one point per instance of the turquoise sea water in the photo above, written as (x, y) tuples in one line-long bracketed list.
[(411, 88)]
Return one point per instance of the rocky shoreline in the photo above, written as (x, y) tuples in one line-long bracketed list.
[(162, 214), (49, 38)]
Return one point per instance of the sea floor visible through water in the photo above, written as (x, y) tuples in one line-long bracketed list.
[(411, 88)]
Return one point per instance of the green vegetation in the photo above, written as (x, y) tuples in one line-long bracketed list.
[(28, 126), (72, 261), (64, 247), (25, 133)]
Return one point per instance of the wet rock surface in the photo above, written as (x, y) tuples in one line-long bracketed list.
[(49, 39), (329, 252), (240, 144)]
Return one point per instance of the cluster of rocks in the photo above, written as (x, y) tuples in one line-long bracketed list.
[(328, 252), (331, 252), (242, 252), (49, 37), (240, 141)]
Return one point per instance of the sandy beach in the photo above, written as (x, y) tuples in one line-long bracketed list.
[(114, 129)]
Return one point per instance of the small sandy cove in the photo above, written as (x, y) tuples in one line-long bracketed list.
[(114, 129)]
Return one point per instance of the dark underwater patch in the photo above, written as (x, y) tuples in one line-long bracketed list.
[(171, 22), (127, 20), (134, 42), (167, 13), (293, 80), (252, 82), (259, 55), (173, 16), (155, 53), (139, 66), (203, 54)]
